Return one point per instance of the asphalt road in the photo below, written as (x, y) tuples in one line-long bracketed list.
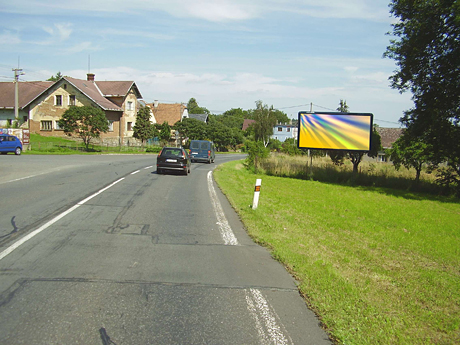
[(102, 250)]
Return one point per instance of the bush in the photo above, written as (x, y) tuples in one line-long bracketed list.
[(256, 151)]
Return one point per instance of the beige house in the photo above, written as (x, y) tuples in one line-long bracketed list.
[(47, 102)]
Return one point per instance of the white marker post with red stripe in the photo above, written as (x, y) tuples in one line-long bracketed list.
[(255, 202)]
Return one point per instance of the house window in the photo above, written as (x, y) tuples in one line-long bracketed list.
[(130, 126), (110, 125), (280, 129), (130, 106), (46, 125), (72, 100), (58, 100), (288, 129), (56, 125)]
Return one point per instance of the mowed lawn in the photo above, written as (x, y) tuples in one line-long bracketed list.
[(379, 266)]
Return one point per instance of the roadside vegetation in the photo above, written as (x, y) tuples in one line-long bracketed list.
[(378, 265)]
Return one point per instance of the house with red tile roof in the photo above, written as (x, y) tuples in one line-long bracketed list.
[(170, 113), (42, 104)]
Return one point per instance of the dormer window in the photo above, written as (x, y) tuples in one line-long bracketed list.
[(129, 106), (58, 100)]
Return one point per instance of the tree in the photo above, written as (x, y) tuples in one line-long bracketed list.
[(426, 49), (194, 108), (164, 131), (56, 77), (343, 107), (410, 153), (265, 121), (86, 122), (143, 129), (192, 129)]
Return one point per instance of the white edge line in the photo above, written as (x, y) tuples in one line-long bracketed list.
[(135, 172), (52, 221)]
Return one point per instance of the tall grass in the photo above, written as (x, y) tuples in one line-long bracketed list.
[(370, 173)]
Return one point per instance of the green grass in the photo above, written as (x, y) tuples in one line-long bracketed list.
[(55, 145), (379, 266)]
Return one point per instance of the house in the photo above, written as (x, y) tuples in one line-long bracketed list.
[(170, 113), (199, 117), (27, 91), (388, 136), (247, 123), (283, 132), (44, 103)]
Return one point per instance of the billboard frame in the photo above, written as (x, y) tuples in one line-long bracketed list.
[(371, 127)]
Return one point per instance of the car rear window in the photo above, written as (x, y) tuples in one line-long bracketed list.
[(195, 145), (171, 152), (204, 146)]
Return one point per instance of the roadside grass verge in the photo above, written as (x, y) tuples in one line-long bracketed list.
[(55, 145), (379, 266)]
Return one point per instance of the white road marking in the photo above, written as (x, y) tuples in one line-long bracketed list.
[(151, 166), (225, 230), (52, 221), (135, 172), (265, 318)]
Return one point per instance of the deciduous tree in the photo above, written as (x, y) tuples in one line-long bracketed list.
[(143, 129), (86, 122)]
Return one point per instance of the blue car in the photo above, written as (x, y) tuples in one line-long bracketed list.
[(10, 143)]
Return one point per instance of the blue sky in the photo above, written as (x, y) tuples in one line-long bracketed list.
[(225, 53)]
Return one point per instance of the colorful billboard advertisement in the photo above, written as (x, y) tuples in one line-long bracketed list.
[(335, 131)]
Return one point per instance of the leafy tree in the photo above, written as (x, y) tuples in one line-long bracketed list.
[(194, 108), (343, 107), (265, 121), (164, 131), (56, 77), (143, 129), (192, 128), (256, 150), (426, 49), (281, 117), (86, 122)]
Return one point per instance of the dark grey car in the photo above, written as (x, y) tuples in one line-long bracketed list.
[(173, 159)]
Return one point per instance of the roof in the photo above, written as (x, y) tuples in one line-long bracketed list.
[(170, 113), (90, 90), (200, 117), (28, 91), (389, 135), (117, 88), (247, 123)]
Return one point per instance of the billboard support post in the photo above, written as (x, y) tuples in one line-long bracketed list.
[(255, 201)]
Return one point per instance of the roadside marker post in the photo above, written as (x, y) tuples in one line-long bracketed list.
[(255, 201)]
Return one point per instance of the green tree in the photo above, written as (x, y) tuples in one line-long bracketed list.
[(281, 117), (86, 122), (56, 77), (143, 129), (426, 49), (192, 129), (194, 108), (265, 121), (343, 107), (410, 153), (164, 130)]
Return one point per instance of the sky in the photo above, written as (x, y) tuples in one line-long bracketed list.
[(294, 55)]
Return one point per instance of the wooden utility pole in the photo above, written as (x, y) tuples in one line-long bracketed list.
[(17, 73)]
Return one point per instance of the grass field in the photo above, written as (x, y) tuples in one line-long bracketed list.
[(379, 266)]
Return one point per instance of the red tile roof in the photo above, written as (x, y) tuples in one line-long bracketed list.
[(389, 135), (170, 113), (28, 91)]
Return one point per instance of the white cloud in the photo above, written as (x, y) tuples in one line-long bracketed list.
[(59, 33), (214, 10), (8, 38), (81, 47)]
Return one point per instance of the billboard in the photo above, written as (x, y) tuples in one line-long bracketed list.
[(335, 131)]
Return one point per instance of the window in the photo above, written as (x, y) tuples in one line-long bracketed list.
[(288, 129), (56, 125), (58, 100), (130, 106), (130, 126), (46, 125), (72, 100), (110, 125), (280, 129)]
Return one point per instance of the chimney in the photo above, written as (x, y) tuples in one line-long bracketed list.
[(90, 77), (155, 104)]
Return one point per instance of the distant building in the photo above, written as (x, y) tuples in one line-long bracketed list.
[(283, 132)]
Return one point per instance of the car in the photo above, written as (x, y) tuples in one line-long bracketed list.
[(10, 143), (173, 159), (202, 151)]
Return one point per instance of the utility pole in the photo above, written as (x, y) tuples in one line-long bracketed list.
[(17, 73)]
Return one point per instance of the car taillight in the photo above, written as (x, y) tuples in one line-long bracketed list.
[(209, 153)]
